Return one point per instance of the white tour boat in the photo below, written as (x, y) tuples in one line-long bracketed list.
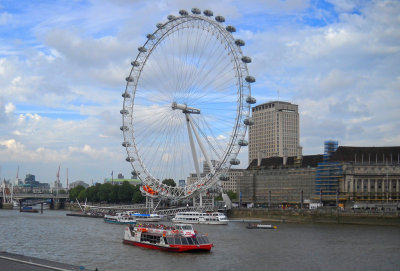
[(215, 218)]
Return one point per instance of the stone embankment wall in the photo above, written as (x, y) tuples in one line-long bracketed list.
[(318, 216)]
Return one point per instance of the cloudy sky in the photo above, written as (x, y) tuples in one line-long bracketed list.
[(63, 65)]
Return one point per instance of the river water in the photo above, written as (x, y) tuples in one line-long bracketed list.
[(91, 243)]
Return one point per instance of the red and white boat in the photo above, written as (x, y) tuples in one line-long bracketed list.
[(177, 238)]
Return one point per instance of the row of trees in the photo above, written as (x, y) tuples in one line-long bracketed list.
[(110, 193), (113, 193)]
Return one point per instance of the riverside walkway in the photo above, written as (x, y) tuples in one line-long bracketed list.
[(11, 261)]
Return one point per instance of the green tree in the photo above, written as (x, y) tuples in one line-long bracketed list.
[(82, 195), (125, 192), (232, 195), (91, 194), (218, 198), (169, 182), (105, 191), (74, 192), (137, 196), (114, 194)]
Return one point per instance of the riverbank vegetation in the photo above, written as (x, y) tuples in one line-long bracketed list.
[(109, 193)]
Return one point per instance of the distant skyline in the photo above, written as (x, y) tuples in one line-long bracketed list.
[(63, 66)]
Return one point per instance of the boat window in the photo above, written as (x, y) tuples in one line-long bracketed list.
[(202, 240), (187, 227), (184, 241), (171, 240), (178, 240), (190, 241)]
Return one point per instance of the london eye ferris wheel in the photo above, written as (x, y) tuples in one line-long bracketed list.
[(186, 104)]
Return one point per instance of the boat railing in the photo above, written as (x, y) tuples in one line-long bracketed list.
[(173, 211)]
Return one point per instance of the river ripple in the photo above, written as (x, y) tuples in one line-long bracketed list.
[(92, 243)]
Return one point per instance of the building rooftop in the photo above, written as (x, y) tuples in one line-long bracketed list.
[(277, 162), (366, 154)]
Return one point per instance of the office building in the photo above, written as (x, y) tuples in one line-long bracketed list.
[(275, 132)]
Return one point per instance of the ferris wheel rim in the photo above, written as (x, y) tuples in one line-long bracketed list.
[(239, 129)]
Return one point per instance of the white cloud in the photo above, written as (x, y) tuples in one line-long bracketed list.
[(9, 108), (5, 18)]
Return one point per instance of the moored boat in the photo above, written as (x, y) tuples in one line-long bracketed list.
[(177, 238), (28, 209), (145, 217), (261, 226), (119, 218), (215, 218)]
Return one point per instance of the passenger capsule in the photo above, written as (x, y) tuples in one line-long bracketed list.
[(246, 59), (160, 25), (134, 173), (130, 159), (239, 42), (129, 79), (124, 112), (171, 17), (126, 144), (250, 79), (126, 95), (251, 100), (196, 11), (234, 161), (248, 121), (135, 63), (124, 128), (208, 13), (142, 49), (220, 19), (230, 28), (243, 142), (183, 12), (223, 178), (150, 36)]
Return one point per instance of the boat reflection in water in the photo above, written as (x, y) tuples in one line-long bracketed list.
[(261, 226), (177, 238)]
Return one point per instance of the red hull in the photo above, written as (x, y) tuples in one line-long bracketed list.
[(172, 248)]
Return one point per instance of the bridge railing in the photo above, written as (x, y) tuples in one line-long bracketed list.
[(18, 196)]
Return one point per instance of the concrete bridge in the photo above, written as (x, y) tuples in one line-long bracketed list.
[(57, 201), (24, 196)]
